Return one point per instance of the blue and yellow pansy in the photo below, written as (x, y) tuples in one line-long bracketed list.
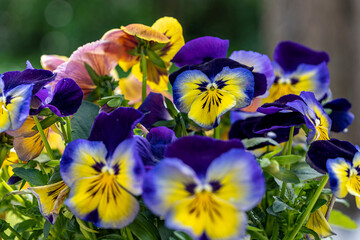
[(204, 187), (106, 171), (212, 89), (345, 177)]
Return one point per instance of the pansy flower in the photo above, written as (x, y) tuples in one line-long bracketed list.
[(204, 187), (204, 49), (345, 177), (298, 68), (105, 171), (293, 110), (318, 223), (209, 90), (16, 89), (338, 110), (101, 56), (162, 41)]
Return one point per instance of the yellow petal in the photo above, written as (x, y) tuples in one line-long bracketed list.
[(145, 32), (318, 223), (172, 29)]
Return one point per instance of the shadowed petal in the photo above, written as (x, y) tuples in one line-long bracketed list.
[(320, 151), (198, 152), (145, 32), (200, 49), (159, 138), (289, 55), (121, 121)]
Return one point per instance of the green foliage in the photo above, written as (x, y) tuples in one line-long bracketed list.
[(83, 120)]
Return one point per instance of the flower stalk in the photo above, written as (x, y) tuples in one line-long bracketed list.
[(43, 138)]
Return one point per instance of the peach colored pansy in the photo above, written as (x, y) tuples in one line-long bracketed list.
[(164, 37), (102, 56), (51, 62)]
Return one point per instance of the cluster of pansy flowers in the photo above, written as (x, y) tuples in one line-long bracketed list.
[(199, 185)]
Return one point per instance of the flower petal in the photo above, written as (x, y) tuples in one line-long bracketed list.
[(320, 151), (128, 167), (219, 220), (159, 138), (51, 62), (121, 121), (187, 87), (290, 55), (154, 109), (168, 182), (47, 197), (198, 152), (236, 177), (100, 200), (145, 32), (339, 170), (199, 49), (82, 159), (172, 29)]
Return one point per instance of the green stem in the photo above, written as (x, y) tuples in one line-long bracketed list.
[(63, 131), (3, 154), (15, 233), (183, 126), (217, 132), (308, 209), (291, 135), (331, 205), (9, 189), (43, 138), (259, 236), (129, 234), (68, 127), (144, 73)]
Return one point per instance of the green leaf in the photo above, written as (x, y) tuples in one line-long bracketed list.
[(46, 231), (287, 159), (168, 123), (83, 119), (155, 59), (304, 172), (94, 95), (53, 163), (279, 205), (252, 142), (144, 229), (319, 203), (254, 229), (171, 108), (339, 219), (343, 201), (47, 122), (115, 102), (286, 176), (24, 225), (56, 177), (277, 150), (93, 75), (33, 176), (264, 162), (3, 225), (164, 232), (182, 236)]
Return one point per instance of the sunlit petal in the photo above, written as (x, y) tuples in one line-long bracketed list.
[(339, 173)]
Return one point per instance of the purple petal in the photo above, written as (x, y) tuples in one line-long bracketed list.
[(340, 116), (279, 120), (339, 104), (154, 109), (159, 138), (243, 129), (260, 62), (67, 98), (200, 50), (115, 127), (260, 84), (320, 151), (289, 55), (198, 152), (38, 77), (278, 105), (145, 152)]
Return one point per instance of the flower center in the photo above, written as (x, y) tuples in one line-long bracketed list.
[(108, 170)]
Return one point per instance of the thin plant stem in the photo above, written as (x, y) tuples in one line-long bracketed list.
[(291, 135), (259, 236), (308, 209), (9, 189), (129, 234), (144, 73), (15, 233), (3, 153), (217, 132), (287, 150), (63, 132), (331, 205), (183, 126), (43, 138), (68, 127)]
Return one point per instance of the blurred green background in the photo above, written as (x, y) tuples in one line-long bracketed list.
[(31, 28)]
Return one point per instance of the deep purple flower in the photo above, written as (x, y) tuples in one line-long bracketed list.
[(339, 114)]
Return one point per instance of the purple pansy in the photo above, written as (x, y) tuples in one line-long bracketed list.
[(340, 116)]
